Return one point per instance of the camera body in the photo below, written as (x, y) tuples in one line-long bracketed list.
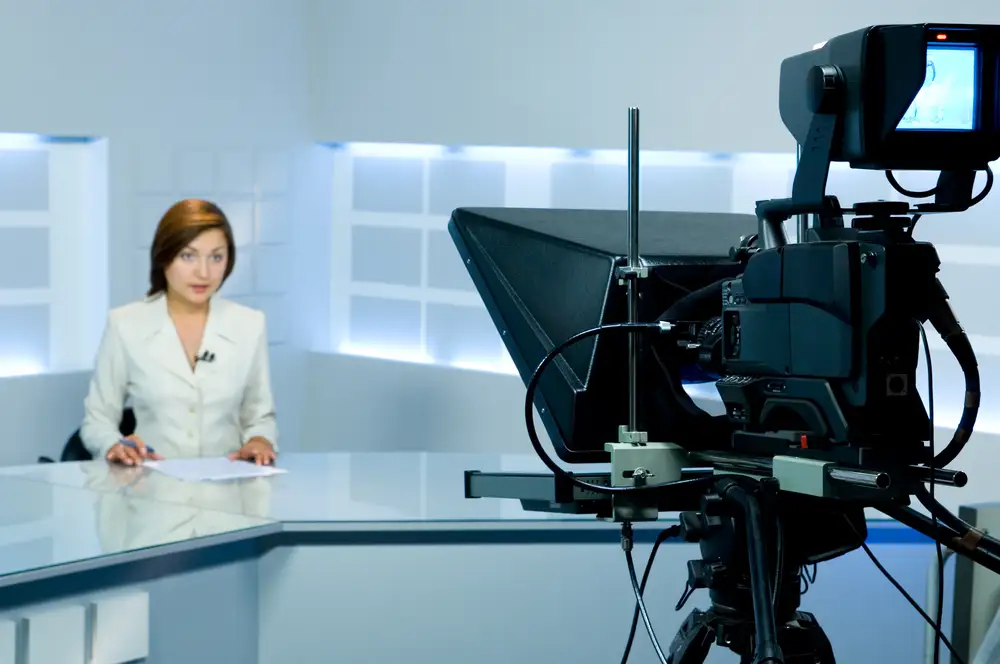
[(819, 345), (820, 339)]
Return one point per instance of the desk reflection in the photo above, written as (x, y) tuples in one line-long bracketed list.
[(332, 487), (137, 507)]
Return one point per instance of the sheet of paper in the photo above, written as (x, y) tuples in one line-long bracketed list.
[(211, 469)]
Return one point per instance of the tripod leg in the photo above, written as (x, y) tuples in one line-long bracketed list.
[(803, 641), (693, 639)]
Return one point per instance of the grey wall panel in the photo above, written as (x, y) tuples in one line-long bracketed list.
[(383, 184), (463, 183), (24, 180), (461, 333), (386, 255), (444, 265), (686, 188), (589, 186), (26, 257), (24, 336), (385, 323)]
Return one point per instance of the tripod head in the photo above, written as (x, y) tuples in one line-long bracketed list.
[(735, 517)]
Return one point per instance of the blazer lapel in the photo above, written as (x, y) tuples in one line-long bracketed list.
[(221, 327), (163, 343)]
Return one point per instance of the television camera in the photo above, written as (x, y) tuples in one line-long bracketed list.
[(812, 345)]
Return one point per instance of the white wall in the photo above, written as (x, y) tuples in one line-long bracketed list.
[(562, 72), (195, 98)]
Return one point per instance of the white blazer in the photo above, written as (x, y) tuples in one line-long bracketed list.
[(210, 411)]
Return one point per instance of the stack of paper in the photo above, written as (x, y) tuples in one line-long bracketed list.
[(211, 469)]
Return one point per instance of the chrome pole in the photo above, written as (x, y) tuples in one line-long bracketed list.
[(633, 265)]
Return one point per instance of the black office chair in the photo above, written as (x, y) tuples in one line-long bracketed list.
[(74, 449)]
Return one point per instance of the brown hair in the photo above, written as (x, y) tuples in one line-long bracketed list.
[(182, 223)]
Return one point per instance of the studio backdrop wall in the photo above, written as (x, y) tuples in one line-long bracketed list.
[(562, 72)]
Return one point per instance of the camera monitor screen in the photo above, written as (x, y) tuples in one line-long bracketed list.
[(947, 99)]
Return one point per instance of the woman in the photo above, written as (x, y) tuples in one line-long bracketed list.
[(194, 365)]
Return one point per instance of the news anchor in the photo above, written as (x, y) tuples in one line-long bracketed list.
[(193, 364)]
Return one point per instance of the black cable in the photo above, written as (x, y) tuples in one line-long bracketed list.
[(806, 579), (902, 591), (672, 531), (970, 536), (939, 611), (946, 324), (909, 194), (529, 420), (779, 570), (947, 536), (627, 546), (986, 189), (978, 198)]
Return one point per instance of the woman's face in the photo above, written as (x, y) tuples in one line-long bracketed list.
[(196, 273)]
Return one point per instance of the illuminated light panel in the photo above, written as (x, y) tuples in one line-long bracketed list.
[(514, 154), (537, 155), (504, 366), (412, 150), (395, 353), (20, 366), (655, 158), (20, 141)]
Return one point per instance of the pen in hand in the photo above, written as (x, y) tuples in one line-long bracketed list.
[(131, 451), (131, 443)]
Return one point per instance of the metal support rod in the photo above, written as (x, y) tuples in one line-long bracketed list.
[(869, 479), (872, 479), (633, 264)]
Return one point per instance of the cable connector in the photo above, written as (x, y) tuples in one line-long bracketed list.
[(665, 326), (627, 540)]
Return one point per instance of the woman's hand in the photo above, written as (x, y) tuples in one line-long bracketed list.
[(131, 455), (258, 450)]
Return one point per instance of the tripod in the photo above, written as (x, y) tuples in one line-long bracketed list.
[(753, 548)]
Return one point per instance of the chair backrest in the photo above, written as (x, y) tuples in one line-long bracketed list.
[(74, 449)]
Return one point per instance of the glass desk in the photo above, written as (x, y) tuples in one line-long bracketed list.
[(47, 525), (95, 512)]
